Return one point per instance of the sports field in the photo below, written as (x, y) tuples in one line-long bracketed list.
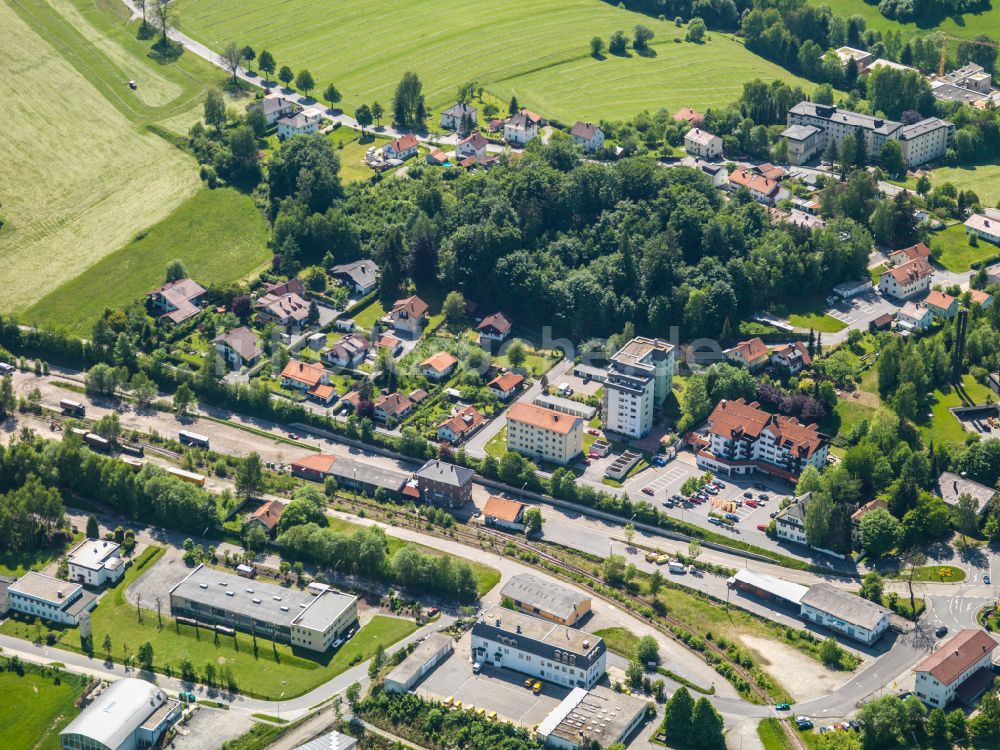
[(536, 49), (967, 25), (220, 235)]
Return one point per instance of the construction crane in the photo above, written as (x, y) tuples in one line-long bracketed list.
[(945, 38)]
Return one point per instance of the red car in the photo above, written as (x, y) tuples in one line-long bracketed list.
[(647, 491), (751, 503), (761, 527), (592, 431)]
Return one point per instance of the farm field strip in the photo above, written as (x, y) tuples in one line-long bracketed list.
[(545, 62)]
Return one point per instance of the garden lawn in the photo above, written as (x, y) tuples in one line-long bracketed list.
[(219, 235), (982, 179), (496, 446), (367, 317), (935, 574), (942, 426), (621, 641), (275, 670), (808, 313), (966, 25), (952, 250), (34, 709), (845, 416), (538, 50)]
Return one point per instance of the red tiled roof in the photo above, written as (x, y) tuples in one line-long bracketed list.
[(912, 270), (939, 300), (920, 250), (303, 372), (412, 305), (770, 171), (506, 382), (979, 296), (440, 362), (956, 656), (545, 419), (404, 143), (734, 419), (476, 140), (785, 352), (503, 509), (394, 403), (463, 421), (497, 320), (687, 114), (324, 392), (754, 182), (868, 508), (315, 462), (749, 351), (268, 514)]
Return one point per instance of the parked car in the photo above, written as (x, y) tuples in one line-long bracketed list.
[(942, 631), (732, 517), (763, 498), (761, 527), (986, 579), (854, 725), (748, 493), (759, 486), (781, 707), (658, 460), (804, 725), (714, 520), (678, 498), (338, 643), (668, 503), (711, 490), (752, 504), (720, 484), (647, 491)]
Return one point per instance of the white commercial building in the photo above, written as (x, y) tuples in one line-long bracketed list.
[(311, 619), (845, 613), (423, 659), (126, 715), (539, 648), (640, 376), (39, 595), (96, 562), (600, 715), (960, 668)]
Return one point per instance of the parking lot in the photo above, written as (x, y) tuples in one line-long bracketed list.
[(857, 312), (494, 689)]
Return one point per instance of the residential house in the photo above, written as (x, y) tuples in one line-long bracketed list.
[(913, 252), (437, 158), (349, 351), (315, 467), (960, 669), (993, 275), (640, 376), (544, 434), (717, 173), (984, 228), (907, 280), (860, 513), (951, 486), (751, 354), (408, 316), (504, 514), (305, 122), (460, 425), (291, 286), (494, 328), (438, 366), (267, 516), (941, 305), (95, 562), (794, 357), (981, 298), (771, 172), (692, 117), (303, 376), (238, 348), (803, 142), (401, 148), (762, 189), (702, 144), (473, 145), (519, 129), (444, 484), (913, 316), (504, 386), (417, 395), (392, 406), (743, 438), (460, 116), (361, 276), (390, 343), (790, 523), (289, 311), (588, 135), (176, 301), (274, 108)]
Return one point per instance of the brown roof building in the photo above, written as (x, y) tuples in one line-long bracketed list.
[(962, 662), (177, 301), (268, 515), (507, 514)]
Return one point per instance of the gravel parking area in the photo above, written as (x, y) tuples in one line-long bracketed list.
[(157, 581), (211, 728)]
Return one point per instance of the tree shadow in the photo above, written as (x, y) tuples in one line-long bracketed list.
[(166, 54), (647, 52), (599, 56)]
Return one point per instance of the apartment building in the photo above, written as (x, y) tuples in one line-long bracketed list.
[(544, 434), (538, 648), (907, 280), (640, 376), (960, 669), (743, 438)]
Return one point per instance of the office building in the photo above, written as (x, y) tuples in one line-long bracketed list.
[(311, 619), (546, 599), (128, 714), (95, 562), (538, 648), (585, 716), (39, 595), (959, 669), (640, 376), (544, 434)]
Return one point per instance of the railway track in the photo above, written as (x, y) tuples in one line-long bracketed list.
[(573, 573)]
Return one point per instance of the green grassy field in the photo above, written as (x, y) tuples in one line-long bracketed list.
[(538, 50), (223, 221), (942, 426), (271, 672), (808, 313), (957, 254), (937, 574), (967, 25), (982, 179), (34, 709)]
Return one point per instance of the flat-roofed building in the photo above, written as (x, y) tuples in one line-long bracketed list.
[(330, 741), (544, 434), (957, 669), (39, 595), (546, 599), (845, 613), (539, 648), (423, 659), (95, 562), (639, 377), (566, 406), (600, 716), (311, 619), (126, 715)]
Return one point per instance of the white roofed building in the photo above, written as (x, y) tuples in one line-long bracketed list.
[(95, 562), (127, 714)]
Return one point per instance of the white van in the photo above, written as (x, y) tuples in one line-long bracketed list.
[(675, 566)]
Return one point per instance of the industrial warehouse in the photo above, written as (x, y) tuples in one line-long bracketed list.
[(311, 619), (546, 599)]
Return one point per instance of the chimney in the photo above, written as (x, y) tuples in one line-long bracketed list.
[(518, 628), (586, 643)]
